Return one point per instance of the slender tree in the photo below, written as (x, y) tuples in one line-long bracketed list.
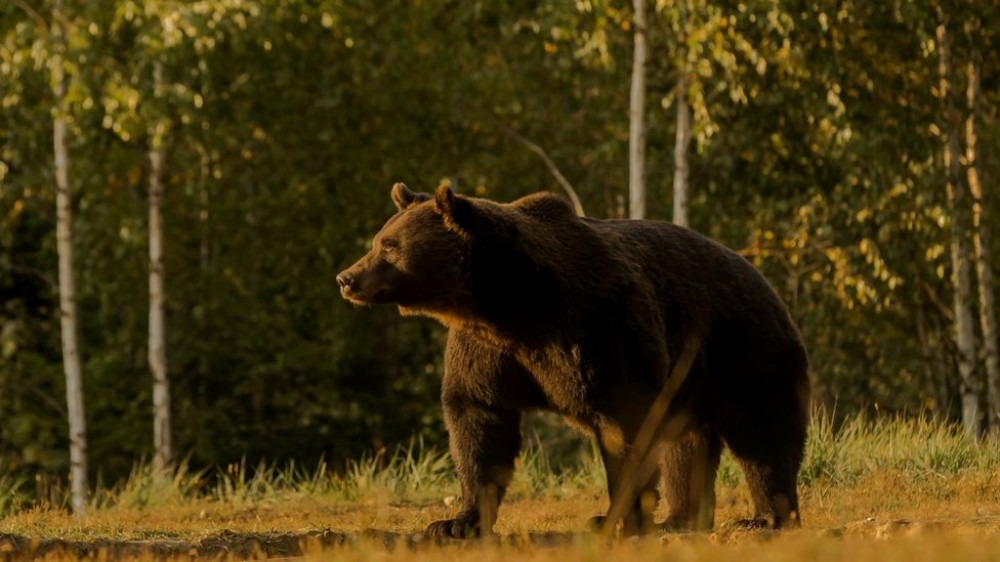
[(637, 133), (983, 254), (67, 286), (960, 255), (683, 135), (163, 453)]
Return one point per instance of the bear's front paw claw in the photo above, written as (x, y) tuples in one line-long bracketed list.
[(458, 528)]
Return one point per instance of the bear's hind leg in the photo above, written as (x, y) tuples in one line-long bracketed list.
[(638, 517), (768, 439), (773, 490), (689, 466), (770, 453)]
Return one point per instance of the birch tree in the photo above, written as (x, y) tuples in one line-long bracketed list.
[(981, 247), (67, 286), (637, 104), (683, 134), (849, 221), (162, 453), (958, 204)]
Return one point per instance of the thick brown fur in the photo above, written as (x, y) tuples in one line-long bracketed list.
[(586, 318)]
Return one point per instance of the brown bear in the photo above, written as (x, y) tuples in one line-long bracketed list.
[(589, 318)]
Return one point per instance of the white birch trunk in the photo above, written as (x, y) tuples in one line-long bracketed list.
[(981, 246), (965, 339), (683, 136), (67, 285), (637, 134), (163, 452)]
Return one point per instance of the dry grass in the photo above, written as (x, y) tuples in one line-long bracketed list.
[(793, 548), (887, 490)]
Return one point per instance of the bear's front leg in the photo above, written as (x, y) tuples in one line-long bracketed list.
[(482, 410)]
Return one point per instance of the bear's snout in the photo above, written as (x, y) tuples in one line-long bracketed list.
[(358, 286), (346, 282)]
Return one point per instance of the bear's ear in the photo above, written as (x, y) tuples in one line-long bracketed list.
[(457, 211), (403, 197), (444, 197)]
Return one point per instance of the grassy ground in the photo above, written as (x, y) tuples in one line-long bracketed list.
[(885, 490)]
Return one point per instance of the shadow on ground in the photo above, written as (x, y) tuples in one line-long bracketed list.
[(230, 545)]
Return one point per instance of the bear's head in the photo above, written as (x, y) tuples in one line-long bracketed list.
[(416, 259), (465, 260)]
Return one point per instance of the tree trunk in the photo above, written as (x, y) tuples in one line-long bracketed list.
[(67, 285), (981, 246), (930, 353), (960, 254), (162, 453), (553, 169), (683, 136), (637, 134)]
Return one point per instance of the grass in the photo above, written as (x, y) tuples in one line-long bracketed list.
[(921, 486)]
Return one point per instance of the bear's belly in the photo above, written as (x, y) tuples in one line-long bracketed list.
[(565, 386)]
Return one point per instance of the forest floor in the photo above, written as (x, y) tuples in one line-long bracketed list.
[(871, 490), (883, 518)]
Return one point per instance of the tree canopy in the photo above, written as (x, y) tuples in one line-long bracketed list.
[(817, 152)]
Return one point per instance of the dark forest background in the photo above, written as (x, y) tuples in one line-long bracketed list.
[(819, 132)]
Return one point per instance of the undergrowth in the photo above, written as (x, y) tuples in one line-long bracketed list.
[(836, 455)]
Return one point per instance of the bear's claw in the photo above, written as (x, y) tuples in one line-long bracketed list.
[(458, 528)]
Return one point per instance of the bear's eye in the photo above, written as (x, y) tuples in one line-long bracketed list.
[(389, 246)]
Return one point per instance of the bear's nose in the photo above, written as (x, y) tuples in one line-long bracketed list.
[(344, 280)]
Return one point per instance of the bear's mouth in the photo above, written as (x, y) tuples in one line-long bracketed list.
[(364, 298), (353, 296)]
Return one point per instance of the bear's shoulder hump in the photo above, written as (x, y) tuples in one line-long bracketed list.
[(545, 205)]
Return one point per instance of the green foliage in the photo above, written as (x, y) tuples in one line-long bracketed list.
[(12, 494), (413, 472), (285, 123), (913, 450), (145, 488)]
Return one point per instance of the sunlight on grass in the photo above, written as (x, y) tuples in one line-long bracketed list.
[(790, 549), (914, 449), (12, 495), (860, 472)]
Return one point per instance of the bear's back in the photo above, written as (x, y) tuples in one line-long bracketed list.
[(694, 275)]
